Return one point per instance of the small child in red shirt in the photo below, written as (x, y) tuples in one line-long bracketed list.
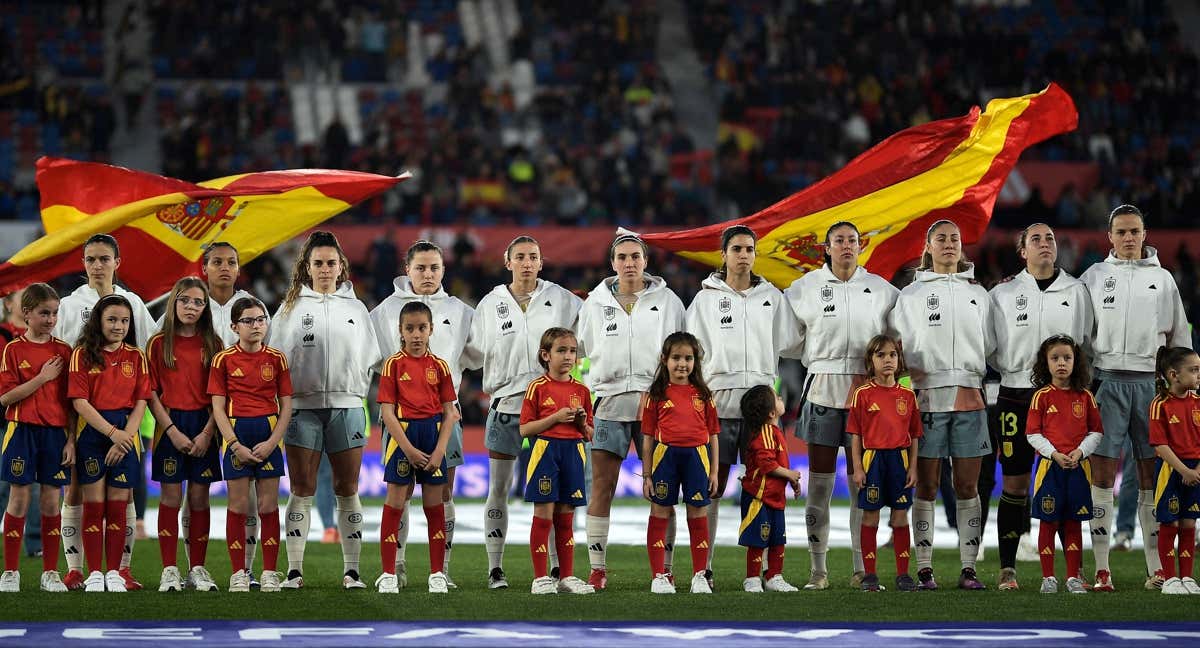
[(1175, 435), (764, 490)]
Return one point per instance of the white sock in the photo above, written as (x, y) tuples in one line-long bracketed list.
[(299, 519), (669, 554), (449, 506), (969, 530), (1100, 525), (922, 530), (816, 519), (714, 511), (251, 525), (349, 522), (72, 540), (597, 539), (185, 522), (130, 524), (552, 558), (402, 538), (1149, 531), (495, 516)]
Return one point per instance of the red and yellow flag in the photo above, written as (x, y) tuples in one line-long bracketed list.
[(163, 224), (952, 169)]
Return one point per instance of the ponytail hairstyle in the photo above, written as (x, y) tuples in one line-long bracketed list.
[(300, 274), (927, 259), (91, 339), (428, 246), (549, 337), (105, 239), (35, 295), (829, 232), (876, 345), (524, 238), (1168, 359), (1081, 373), (210, 342), (629, 237), (726, 236), (658, 388)]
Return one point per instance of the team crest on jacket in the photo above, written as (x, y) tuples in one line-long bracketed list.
[(902, 407), (1196, 418), (86, 313), (610, 312), (826, 293), (1022, 302), (306, 322), (267, 372), (502, 310), (127, 369), (1077, 409), (725, 304), (698, 403), (1110, 284), (431, 376), (17, 467), (932, 302)]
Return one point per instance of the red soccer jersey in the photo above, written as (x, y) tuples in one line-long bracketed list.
[(250, 381), (683, 420), (186, 386), (22, 360), (1063, 416), (123, 380), (418, 385), (546, 396), (886, 417), (767, 451), (1175, 422)]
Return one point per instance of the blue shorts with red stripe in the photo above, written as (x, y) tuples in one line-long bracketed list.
[(762, 526), (423, 434), (672, 468), (33, 453), (251, 431), (1174, 500), (556, 472), (92, 447), (887, 472), (1060, 494), (170, 466)]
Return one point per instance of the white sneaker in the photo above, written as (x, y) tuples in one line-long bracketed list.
[(386, 584), (543, 585), (351, 581), (170, 580), (753, 585), (10, 581), (574, 585), (268, 581), (114, 581), (700, 583), (94, 582), (239, 581), (1075, 585), (437, 583), (201, 580), (1049, 585), (1189, 584), (293, 582), (401, 574), (1174, 586), (1027, 549), (777, 584), (52, 582), (662, 585)]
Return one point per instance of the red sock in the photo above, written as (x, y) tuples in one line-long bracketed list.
[(1046, 535), (114, 531), (198, 529), (1187, 551), (867, 536), (774, 561), (435, 519), (698, 533), (754, 560), (14, 529), (902, 544), (1073, 547), (564, 541), (1166, 548), (235, 539), (656, 544), (168, 534), (268, 528), (389, 528), (539, 537), (93, 534), (51, 541)]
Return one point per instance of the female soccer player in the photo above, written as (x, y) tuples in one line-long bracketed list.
[(557, 412), (251, 389), (1175, 435), (741, 321), (416, 396), (680, 445), (183, 448), (1064, 428), (838, 308), (944, 321), (109, 385), (884, 425), (101, 258), (1040, 301), (508, 325), (1129, 281), (764, 491), (38, 447), (325, 332), (425, 266), (621, 327)]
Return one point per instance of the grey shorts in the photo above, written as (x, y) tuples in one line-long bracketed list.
[(729, 442), (615, 436), (823, 426), (454, 447), (1124, 404), (954, 434), (329, 430), (503, 433)]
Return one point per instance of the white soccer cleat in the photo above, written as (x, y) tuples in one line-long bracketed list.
[(1174, 586), (1189, 584), (295, 580), (662, 585), (817, 581), (201, 580), (268, 581), (170, 581), (496, 579), (351, 581), (777, 584), (10, 581), (700, 583), (114, 582), (239, 581), (543, 585), (574, 585), (752, 585), (94, 582), (52, 582), (386, 584), (437, 583)]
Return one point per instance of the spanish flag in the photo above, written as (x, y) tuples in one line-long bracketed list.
[(952, 168), (163, 224)]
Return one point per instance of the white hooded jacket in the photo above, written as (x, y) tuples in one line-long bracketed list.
[(75, 308), (741, 333), (944, 323), (451, 326), (1023, 316), (833, 320), (330, 348)]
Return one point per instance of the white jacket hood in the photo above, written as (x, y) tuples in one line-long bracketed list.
[(833, 320), (1023, 316), (741, 333), (74, 309)]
